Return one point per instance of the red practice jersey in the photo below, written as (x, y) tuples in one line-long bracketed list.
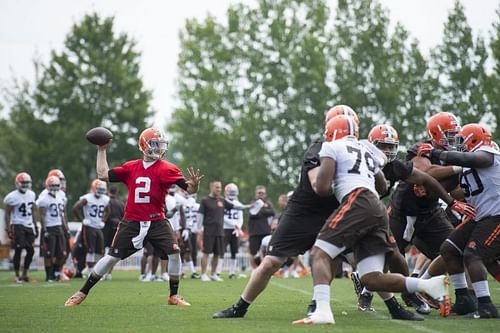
[(147, 187)]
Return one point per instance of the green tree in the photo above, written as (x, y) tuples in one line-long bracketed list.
[(381, 74), (255, 91), (493, 84), (459, 67), (94, 81)]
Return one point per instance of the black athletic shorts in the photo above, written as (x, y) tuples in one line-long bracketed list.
[(233, 242), (109, 234), (295, 234), (24, 237), (93, 240), (255, 242), (185, 245), (430, 231), (53, 243), (129, 239), (461, 235), (360, 223), (485, 239), (213, 244)]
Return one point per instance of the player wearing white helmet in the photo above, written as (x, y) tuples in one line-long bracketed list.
[(233, 221), (20, 223)]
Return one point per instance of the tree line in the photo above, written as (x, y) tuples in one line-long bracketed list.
[(252, 90)]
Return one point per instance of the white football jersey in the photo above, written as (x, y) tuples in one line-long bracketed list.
[(60, 194), (482, 186), (233, 217), (180, 202), (191, 212), (55, 208), (94, 209), (22, 207), (357, 163)]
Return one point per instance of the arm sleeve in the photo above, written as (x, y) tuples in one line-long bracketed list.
[(311, 158), (470, 160), (118, 174), (182, 184)]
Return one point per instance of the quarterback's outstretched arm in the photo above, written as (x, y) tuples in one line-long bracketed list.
[(102, 167)]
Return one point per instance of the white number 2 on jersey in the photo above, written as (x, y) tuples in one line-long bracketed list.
[(143, 186)]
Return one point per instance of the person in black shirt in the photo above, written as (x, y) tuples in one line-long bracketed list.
[(259, 225)]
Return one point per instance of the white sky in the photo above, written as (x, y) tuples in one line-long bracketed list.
[(32, 28)]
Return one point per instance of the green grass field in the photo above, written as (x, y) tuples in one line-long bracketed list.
[(127, 305)]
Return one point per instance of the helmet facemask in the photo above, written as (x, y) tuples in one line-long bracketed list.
[(449, 138), (390, 149), (53, 188), (156, 149), (23, 186)]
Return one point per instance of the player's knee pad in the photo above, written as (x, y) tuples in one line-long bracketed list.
[(371, 264), (104, 265), (174, 264)]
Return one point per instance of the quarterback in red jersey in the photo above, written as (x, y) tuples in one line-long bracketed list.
[(148, 181)]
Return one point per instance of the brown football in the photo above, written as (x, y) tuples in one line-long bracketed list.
[(99, 136)]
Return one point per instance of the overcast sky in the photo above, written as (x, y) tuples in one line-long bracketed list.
[(32, 28)]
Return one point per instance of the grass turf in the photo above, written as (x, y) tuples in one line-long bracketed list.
[(127, 305)]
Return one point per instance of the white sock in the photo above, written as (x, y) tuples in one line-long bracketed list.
[(411, 284), (232, 266), (426, 275), (416, 271), (322, 297), (481, 288), (458, 281), (191, 266), (220, 264), (366, 291)]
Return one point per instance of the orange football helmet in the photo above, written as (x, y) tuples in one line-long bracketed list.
[(339, 110), (59, 174), (99, 187), (385, 138), (23, 182), (339, 127), (53, 184), (152, 143), (473, 136), (443, 128)]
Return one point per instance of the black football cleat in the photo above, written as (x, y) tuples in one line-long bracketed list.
[(231, 312), (311, 307), (401, 313), (463, 305), (365, 302), (487, 311), (411, 299)]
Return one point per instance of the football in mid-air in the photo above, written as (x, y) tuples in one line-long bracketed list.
[(99, 136)]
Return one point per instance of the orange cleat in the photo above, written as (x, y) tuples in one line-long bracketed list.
[(177, 300), (76, 299)]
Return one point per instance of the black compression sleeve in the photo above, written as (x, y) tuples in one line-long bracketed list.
[(112, 176), (465, 159), (182, 184)]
